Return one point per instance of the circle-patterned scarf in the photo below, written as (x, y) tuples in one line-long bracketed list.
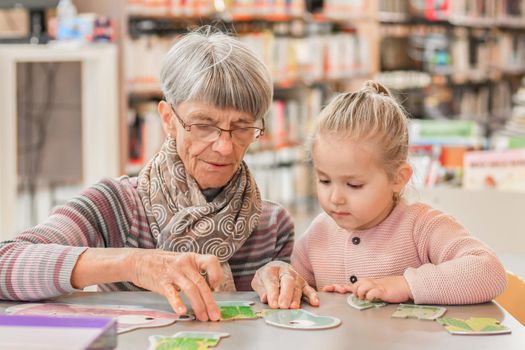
[(182, 220)]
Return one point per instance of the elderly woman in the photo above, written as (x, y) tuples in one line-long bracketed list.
[(193, 219)]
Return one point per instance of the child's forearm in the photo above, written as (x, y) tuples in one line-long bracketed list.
[(466, 280)]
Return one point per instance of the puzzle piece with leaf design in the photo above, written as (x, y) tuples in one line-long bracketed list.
[(237, 310), (359, 304), (186, 341), (473, 326), (421, 312)]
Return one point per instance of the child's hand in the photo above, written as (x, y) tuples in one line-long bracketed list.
[(339, 288), (392, 289)]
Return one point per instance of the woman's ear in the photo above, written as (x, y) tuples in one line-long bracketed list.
[(404, 173), (166, 114)]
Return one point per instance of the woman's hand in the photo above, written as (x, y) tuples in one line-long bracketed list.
[(169, 273), (393, 289), (279, 285)]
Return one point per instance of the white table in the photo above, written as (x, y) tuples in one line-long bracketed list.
[(368, 329)]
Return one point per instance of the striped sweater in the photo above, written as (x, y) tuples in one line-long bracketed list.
[(441, 261), (38, 263)]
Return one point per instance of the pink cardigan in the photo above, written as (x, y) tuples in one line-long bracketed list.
[(441, 261)]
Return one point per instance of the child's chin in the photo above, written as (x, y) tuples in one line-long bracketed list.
[(345, 224)]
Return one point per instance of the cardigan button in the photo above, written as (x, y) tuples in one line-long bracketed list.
[(356, 240), (353, 279)]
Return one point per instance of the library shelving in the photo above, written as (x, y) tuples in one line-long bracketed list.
[(473, 49)]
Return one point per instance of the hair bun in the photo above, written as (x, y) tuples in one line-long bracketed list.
[(376, 88)]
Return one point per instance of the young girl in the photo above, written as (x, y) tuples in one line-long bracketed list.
[(369, 241)]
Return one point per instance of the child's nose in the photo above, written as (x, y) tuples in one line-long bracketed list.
[(337, 196)]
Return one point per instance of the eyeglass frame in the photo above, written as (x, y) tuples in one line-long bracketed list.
[(187, 127)]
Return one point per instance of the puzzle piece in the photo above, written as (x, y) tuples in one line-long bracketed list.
[(237, 310), (359, 304), (128, 317), (186, 341), (421, 312), (473, 326), (299, 319)]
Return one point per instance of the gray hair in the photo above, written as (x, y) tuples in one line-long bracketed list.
[(209, 66)]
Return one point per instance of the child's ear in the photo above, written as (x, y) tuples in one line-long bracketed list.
[(404, 173), (165, 113)]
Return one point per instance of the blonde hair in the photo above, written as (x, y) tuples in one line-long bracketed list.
[(209, 66), (369, 114)]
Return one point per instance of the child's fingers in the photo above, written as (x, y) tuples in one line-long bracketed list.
[(329, 288), (362, 287), (374, 294), (339, 288)]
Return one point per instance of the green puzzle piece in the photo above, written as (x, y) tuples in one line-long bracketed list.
[(359, 304), (236, 313), (186, 341), (422, 312), (236, 310), (474, 325)]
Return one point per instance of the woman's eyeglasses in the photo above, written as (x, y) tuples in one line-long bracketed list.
[(211, 133)]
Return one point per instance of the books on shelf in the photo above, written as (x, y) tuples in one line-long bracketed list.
[(502, 170), (283, 175), (343, 9), (445, 132), (475, 13), (512, 134), (437, 148), (236, 8), (142, 62), (291, 60), (404, 79), (510, 52), (145, 135)]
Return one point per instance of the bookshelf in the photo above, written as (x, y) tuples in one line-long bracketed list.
[(453, 61), (473, 51)]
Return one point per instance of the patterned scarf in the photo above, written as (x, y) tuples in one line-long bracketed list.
[(182, 220)]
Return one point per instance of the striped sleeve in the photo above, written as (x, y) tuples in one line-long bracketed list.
[(37, 264), (273, 240)]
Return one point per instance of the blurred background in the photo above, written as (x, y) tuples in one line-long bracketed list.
[(79, 86)]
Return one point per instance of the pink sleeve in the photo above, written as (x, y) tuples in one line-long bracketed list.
[(301, 261), (457, 268)]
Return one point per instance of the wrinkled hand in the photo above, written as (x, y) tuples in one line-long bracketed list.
[(279, 285), (169, 273), (393, 289)]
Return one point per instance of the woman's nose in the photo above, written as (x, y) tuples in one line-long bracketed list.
[(224, 144)]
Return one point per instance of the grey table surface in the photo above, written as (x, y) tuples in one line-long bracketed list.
[(367, 329)]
